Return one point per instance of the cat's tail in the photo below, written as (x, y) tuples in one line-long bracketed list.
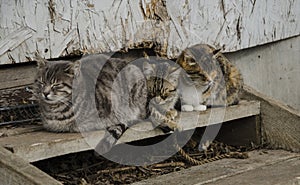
[(112, 134)]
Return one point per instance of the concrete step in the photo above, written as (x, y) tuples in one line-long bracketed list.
[(33, 144), (263, 167)]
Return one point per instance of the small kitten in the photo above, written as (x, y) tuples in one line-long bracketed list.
[(210, 80), (110, 94), (98, 92), (162, 81)]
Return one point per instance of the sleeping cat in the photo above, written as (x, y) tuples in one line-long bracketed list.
[(98, 92), (211, 79), (162, 81)]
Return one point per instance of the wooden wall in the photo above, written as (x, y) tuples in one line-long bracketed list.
[(56, 28)]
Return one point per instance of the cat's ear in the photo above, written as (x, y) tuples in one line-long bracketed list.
[(186, 59), (184, 56), (148, 69), (73, 68), (180, 58), (216, 51), (41, 62)]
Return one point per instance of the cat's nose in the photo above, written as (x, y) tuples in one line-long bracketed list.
[(46, 91), (45, 94)]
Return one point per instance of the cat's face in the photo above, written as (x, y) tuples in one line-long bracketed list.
[(200, 65), (54, 81), (161, 91), (162, 81)]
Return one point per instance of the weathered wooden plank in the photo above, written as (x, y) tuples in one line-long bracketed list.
[(218, 115), (41, 145), (60, 27), (280, 124), (13, 131), (261, 168), (283, 172), (15, 171), (16, 76)]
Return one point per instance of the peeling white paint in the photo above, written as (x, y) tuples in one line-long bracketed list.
[(14, 39), (59, 27)]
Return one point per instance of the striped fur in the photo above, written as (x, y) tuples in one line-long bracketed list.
[(65, 92), (118, 92), (217, 80), (162, 81)]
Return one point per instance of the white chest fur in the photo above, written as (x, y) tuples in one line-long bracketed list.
[(190, 96)]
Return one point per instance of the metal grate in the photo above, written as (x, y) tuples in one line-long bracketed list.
[(17, 106), (19, 114)]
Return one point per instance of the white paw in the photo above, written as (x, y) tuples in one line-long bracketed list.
[(187, 108), (200, 108)]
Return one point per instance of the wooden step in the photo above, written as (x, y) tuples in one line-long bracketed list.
[(15, 170), (265, 167), (36, 144)]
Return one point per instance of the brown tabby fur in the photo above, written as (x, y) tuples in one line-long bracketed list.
[(122, 94), (162, 81), (219, 80)]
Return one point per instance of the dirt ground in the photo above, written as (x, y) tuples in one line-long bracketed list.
[(88, 168)]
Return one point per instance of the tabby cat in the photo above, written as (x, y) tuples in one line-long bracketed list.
[(75, 97), (162, 81), (211, 79)]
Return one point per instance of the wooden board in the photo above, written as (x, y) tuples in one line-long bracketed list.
[(15, 76), (15, 170), (40, 145), (280, 123), (266, 167), (60, 27)]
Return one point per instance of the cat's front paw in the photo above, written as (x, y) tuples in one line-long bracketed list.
[(170, 125), (171, 114), (187, 108), (173, 126), (200, 108)]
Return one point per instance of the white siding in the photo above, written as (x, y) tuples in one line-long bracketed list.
[(59, 27)]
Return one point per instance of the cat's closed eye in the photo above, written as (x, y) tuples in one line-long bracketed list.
[(164, 96), (191, 72), (192, 63), (57, 86)]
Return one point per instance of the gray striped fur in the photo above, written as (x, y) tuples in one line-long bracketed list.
[(98, 92)]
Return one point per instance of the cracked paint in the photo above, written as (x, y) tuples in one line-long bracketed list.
[(57, 28)]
